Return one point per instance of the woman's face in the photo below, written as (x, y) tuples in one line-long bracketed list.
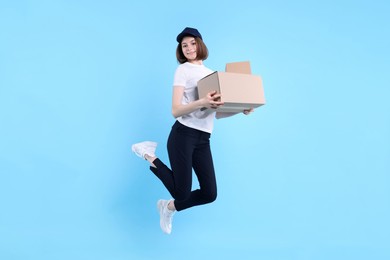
[(188, 46)]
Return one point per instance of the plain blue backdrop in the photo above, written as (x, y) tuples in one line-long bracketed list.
[(304, 177)]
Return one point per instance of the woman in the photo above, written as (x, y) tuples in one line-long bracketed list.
[(189, 140)]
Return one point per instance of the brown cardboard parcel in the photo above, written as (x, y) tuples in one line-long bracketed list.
[(239, 89)]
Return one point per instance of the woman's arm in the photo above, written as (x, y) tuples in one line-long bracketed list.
[(178, 109), (220, 115)]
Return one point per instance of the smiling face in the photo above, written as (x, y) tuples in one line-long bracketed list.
[(189, 48), (192, 50)]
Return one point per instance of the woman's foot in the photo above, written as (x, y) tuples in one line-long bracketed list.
[(144, 148), (166, 216)]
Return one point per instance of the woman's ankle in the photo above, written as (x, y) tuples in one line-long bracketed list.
[(151, 159), (171, 205)]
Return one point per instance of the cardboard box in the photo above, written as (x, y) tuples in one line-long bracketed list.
[(240, 89)]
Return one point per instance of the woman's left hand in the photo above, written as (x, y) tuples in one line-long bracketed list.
[(248, 111)]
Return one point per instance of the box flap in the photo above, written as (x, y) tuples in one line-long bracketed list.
[(243, 67)]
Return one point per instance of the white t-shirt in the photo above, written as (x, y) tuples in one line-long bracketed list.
[(187, 75)]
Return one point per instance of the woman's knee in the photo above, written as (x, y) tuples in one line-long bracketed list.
[(211, 196)]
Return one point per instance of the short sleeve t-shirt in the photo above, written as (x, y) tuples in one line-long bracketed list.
[(187, 75)]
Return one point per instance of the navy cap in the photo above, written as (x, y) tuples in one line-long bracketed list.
[(188, 32)]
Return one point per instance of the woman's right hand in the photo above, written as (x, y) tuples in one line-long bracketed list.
[(212, 100)]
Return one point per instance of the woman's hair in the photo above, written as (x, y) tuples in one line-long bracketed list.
[(201, 51)]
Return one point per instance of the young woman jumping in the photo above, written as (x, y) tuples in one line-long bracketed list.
[(189, 140)]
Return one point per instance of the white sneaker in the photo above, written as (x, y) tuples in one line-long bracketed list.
[(166, 216), (143, 148)]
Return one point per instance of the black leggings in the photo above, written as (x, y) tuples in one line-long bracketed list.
[(188, 148)]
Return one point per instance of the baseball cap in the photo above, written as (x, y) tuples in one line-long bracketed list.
[(188, 31)]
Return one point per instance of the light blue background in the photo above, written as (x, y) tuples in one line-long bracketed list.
[(304, 177)]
